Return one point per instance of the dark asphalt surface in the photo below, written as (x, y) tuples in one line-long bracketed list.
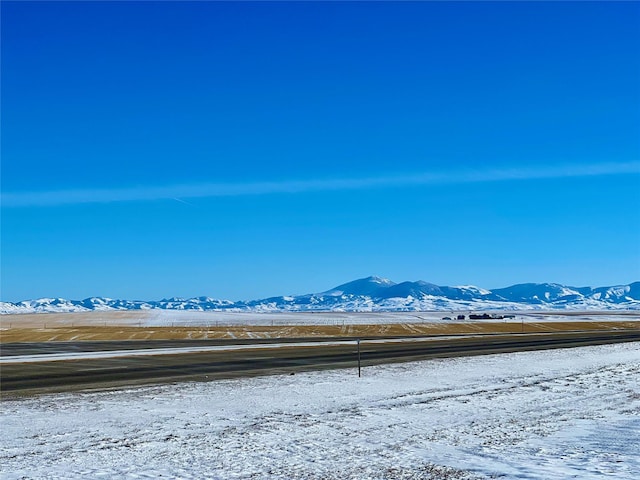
[(52, 376), (38, 348)]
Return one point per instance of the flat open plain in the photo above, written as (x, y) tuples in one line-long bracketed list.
[(546, 415), (184, 318), (120, 399), (176, 325), (75, 351)]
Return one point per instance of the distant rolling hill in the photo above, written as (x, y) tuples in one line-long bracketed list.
[(374, 294)]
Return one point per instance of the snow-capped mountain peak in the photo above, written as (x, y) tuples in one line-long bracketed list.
[(363, 286)]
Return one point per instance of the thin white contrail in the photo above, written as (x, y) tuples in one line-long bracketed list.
[(183, 201), (228, 189)]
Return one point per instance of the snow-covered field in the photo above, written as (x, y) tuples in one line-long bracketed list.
[(177, 318), (157, 318), (572, 413)]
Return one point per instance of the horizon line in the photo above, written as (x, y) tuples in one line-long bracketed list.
[(187, 298), (179, 192)]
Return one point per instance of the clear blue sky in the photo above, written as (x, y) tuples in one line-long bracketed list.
[(243, 150)]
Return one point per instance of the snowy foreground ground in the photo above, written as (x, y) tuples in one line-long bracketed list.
[(555, 414)]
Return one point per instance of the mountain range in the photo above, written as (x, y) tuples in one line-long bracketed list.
[(374, 294)]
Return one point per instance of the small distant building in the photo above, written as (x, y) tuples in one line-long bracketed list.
[(485, 316)]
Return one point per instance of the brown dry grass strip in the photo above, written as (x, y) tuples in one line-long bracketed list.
[(65, 333)]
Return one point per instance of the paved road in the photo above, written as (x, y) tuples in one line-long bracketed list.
[(37, 348), (49, 376)]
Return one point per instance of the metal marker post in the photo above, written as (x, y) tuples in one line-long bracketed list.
[(358, 357)]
